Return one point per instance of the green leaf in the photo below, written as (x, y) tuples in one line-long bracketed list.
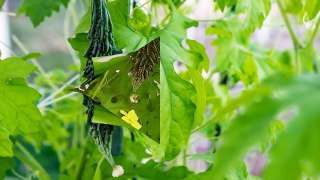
[(199, 48), (200, 98), (37, 10), (298, 147), (151, 170), (292, 6), (1, 3), (124, 36), (198, 82), (256, 12), (5, 145), (312, 8), (235, 56), (6, 164), (295, 148), (80, 43), (140, 21), (207, 157), (31, 56), (240, 137), (84, 24), (18, 112), (225, 3), (177, 108)]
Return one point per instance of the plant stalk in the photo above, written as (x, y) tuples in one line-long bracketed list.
[(296, 43), (23, 155)]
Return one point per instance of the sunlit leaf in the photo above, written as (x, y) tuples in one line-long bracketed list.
[(18, 112), (256, 12), (5, 145), (38, 10), (312, 8)]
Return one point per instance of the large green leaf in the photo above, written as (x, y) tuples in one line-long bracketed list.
[(299, 146), (18, 113), (295, 148), (37, 10), (177, 107)]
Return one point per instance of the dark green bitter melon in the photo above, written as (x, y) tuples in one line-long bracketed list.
[(101, 44)]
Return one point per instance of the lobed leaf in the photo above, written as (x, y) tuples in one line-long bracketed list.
[(18, 112), (38, 10)]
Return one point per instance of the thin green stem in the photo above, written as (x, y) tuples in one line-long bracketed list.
[(18, 175), (184, 158), (83, 162), (82, 133), (296, 43), (297, 60), (288, 24), (23, 155), (75, 133), (96, 175), (66, 33), (58, 91)]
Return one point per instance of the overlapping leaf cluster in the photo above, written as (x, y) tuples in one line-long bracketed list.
[(175, 123)]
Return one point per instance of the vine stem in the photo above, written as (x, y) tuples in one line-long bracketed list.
[(83, 162), (8, 13), (56, 100), (184, 158), (296, 43), (287, 23), (96, 175), (41, 104), (66, 30), (18, 175), (24, 156)]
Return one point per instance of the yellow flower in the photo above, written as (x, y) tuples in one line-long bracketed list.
[(131, 118)]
